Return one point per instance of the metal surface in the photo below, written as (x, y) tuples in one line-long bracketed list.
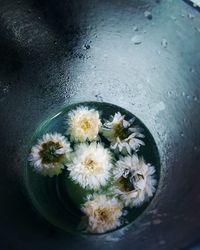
[(58, 52)]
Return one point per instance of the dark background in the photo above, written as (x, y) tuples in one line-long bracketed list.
[(53, 53)]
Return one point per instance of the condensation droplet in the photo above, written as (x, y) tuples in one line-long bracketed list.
[(157, 221), (164, 43), (137, 39), (86, 46), (190, 16), (197, 29), (173, 18), (5, 87), (162, 242), (182, 134), (195, 98), (99, 98), (191, 70), (169, 93), (148, 14), (93, 66)]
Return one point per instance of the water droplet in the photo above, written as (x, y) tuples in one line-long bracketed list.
[(188, 97), (190, 16), (157, 221), (183, 93), (164, 43), (182, 134), (191, 70), (137, 39), (197, 29), (195, 98), (173, 18), (5, 87), (158, 52), (162, 242), (99, 98), (148, 80), (135, 28), (169, 93), (86, 46), (195, 148), (148, 14), (93, 66)]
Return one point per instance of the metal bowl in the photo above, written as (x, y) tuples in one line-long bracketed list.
[(54, 53)]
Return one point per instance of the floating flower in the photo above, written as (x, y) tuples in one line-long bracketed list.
[(122, 134), (103, 213), (90, 165), (49, 155), (84, 124), (135, 180)]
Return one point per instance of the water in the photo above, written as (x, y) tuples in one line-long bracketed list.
[(58, 199)]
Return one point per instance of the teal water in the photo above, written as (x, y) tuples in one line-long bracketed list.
[(58, 199)]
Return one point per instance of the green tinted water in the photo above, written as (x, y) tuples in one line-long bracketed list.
[(58, 199)]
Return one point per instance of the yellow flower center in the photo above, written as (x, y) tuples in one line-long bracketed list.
[(85, 124), (91, 165), (119, 131), (105, 215), (48, 152), (124, 184)]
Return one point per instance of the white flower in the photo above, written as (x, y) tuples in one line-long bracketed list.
[(122, 134), (49, 155), (103, 213), (90, 165), (83, 124), (135, 180)]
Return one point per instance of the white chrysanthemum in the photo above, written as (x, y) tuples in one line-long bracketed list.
[(103, 213), (83, 124), (122, 134), (49, 155), (90, 165), (135, 180)]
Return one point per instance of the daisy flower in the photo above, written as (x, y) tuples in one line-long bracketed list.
[(90, 166), (103, 213), (83, 124), (135, 180), (50, 154), (122, 134)]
